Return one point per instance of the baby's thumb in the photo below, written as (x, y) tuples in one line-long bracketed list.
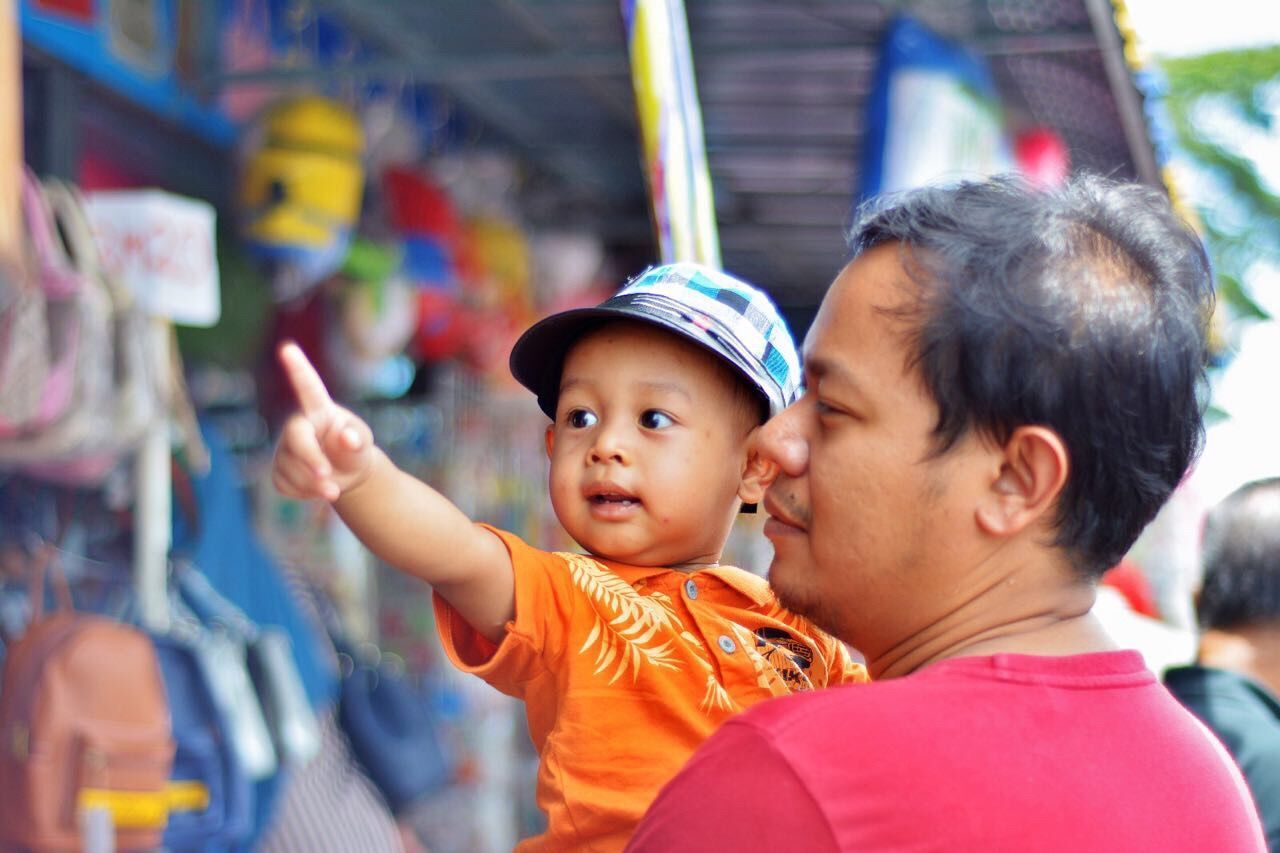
[(347, 442)]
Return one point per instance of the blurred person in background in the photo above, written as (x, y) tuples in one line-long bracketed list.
[(1234, 685)]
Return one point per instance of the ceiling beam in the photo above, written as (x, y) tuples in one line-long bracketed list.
[(459, 80)]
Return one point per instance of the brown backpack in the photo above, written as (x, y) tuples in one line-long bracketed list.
[(84, 726)]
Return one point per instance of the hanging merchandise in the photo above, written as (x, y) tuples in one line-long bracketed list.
[(70, 431), (204, 761), (443, 325), (1042, 156), (300, 190), (236, 341), (139, 35), (136, 399), (377, 321), (85, 737), (932, 114), (494, 265), (36, 364), (417, 206), (675, 157), (244, 44), (291, 723), (392, 732), (567, 271)]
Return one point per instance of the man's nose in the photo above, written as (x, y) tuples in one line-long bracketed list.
[(782, 440)]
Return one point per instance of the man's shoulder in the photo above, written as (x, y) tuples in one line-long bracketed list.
[(875, 704)]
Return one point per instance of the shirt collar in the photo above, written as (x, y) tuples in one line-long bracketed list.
[(741, 581), (752, 586)]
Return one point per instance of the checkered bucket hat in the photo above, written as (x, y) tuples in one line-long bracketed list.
[(729, 317)]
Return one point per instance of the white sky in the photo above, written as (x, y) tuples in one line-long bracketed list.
[(1179, 27)]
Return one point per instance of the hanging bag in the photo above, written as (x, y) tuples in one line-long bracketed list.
[(38, 333), (217, 813), (72, 428), (291, 722), (24, 352), (135, 396), (392, 733), (84, 728)]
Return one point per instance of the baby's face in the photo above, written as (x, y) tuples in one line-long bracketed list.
[(648, 447)]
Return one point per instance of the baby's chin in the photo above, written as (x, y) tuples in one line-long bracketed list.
[(643, 554)]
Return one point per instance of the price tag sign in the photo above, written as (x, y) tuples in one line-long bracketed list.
[(162, 246)]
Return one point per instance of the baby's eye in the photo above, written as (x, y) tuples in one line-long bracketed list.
[(654, 419), (581, 419)]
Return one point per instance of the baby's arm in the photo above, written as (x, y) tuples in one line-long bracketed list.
[(327, 452)]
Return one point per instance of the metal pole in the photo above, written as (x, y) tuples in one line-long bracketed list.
[(1128, 103)]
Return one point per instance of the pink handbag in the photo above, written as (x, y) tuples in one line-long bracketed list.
[(39, 332), (135, 395), (69, 438)]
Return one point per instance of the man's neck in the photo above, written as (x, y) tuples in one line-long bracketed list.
[(1037, 607), (1253, 651)]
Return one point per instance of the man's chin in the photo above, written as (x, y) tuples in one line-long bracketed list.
[(790, 595)]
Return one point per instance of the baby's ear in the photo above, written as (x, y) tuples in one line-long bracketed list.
[(758, 473), (549, 437)]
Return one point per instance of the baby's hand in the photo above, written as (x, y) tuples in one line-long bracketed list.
[(324, 450)]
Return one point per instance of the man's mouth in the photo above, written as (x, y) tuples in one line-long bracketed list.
[(781, 514)]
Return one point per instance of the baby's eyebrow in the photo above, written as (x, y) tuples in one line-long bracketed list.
[(668, 388), (652, 386), (571, 382)]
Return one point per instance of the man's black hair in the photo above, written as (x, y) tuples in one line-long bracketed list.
[(1241, 559), (1083, 310)]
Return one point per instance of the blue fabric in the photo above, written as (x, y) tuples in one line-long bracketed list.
[(202, 755), (222, 544), (227, 551)]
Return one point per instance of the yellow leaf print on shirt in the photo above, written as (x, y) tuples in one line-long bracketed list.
[(627, 640), (716, 697)]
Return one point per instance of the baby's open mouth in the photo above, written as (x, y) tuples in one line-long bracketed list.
[(611, 498)]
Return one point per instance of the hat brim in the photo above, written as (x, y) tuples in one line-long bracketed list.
[(537, 358)]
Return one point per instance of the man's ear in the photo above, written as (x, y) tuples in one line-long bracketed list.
[(1033, 469), (757, 475), (549, 438)]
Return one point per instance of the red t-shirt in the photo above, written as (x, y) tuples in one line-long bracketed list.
[(1003, 753)]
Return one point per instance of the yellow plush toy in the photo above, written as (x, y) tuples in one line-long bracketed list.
[(300, 189)]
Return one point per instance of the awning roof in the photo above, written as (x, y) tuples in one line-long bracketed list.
[(782, 86)]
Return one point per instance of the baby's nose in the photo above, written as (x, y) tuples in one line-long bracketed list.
[(609, 446)]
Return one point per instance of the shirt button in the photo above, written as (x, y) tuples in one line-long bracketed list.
[(726, 642), (691, 588)]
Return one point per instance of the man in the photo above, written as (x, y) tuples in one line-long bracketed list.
[(1236, 682), (1001, 392)]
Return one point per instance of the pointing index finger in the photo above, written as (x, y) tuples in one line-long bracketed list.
[(308, 387)]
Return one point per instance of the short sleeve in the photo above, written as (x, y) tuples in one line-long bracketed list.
[(534, 639), (721, 801)]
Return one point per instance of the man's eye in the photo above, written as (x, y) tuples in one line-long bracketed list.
[(825, 409), (581, 419), (653, 419)]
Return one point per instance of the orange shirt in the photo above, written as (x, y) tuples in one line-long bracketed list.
[(625, 670)]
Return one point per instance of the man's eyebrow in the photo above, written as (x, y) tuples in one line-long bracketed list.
[(817, 367)]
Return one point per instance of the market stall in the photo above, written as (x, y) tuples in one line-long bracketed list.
[(402, 188)]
